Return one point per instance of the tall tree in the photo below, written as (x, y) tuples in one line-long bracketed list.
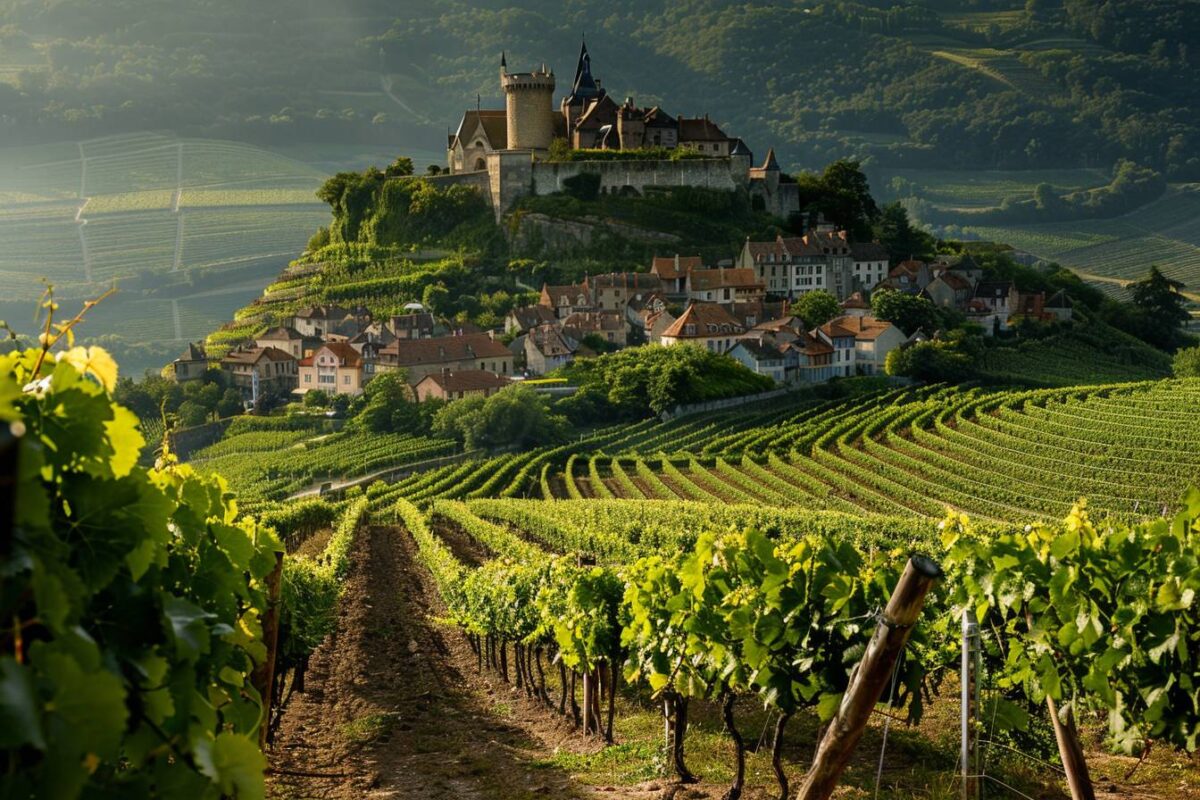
[(898, 235), (843, 195)]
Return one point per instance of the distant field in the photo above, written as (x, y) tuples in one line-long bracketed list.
[(161, 210), (1165, 233), (984, 188)]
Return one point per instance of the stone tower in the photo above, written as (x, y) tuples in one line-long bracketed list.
[(529, 107)]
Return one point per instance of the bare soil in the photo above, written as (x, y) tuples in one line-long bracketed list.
[(395, 709)]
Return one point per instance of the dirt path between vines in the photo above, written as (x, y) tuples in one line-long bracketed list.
[(395, 709)]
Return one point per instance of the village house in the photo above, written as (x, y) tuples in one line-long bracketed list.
[(612, 292), (760, 356), (910, 276), (844, 344), (566, 300), (1060, 306), (414, 325), (856, 306), (317, 321), (289, 340), (333, 368), (808, 360), (520, 320), (949, 289), (782, 330), (870, 260), (637, 310), (723, 285), (547, 348), (673, 272), (190, 366), (706, 325), (655, 324), (255, 371), (873, 340), (609, 326), (1000, 297), (457, 385), (792, 266), (750, 313), (421, 357)]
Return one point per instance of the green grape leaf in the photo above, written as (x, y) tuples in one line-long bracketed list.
[(20, 721)]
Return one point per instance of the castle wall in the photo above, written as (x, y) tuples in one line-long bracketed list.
[(619, 176), (477, 179)]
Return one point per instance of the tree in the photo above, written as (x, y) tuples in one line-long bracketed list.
[(816, 308), (902, 240), (1160, 296), (436, 298), (401, 167), (516, 415), (1187, 363), (315, 398), (841, 192), (230, 403), (192, 414), (390, 405), (908, 312), (933, 362)]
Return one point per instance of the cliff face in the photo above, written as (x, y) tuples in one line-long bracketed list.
[(532, 233)]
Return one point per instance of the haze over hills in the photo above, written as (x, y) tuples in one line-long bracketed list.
[(1068, 130)]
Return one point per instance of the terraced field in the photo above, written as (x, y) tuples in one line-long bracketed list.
[(160, 210)]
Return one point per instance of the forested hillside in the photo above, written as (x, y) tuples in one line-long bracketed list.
[(916, 84)]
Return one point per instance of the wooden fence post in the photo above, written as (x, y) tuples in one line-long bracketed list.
[(1071, 752), (870, 677), (263, 677)]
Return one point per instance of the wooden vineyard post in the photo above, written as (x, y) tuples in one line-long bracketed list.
[(1071, 752), (870, 677), (263, 677), (969, 678)]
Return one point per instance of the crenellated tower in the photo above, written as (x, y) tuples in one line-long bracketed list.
[(529, 107)]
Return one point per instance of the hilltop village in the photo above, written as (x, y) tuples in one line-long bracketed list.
[(744, 309), (755, 306)]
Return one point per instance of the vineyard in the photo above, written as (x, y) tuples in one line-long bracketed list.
[(997, 455), (166, 213)]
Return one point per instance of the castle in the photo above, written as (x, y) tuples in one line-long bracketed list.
[(505, 152)]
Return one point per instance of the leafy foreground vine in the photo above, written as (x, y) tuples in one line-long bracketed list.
[(131, 602)]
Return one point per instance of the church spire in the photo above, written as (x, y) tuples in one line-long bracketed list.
[(584, 85)]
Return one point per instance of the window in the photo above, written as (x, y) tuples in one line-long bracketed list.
[(325, 379), (346, 380), (308, 377)]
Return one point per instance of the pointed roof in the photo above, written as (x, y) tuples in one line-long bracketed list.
[(584, 86), (771, 163)]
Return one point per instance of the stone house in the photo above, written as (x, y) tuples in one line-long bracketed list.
[(317, 321), (519, 320), (566, 300), (457, 385), (416, 325), (421, 357), (655, 324), (844, 344), (673, 272), (614, 291), (255, 371), (333, 368), (949, 289), (706, 325), (289, 340), (873, 340), (808, 360), (608, 325), (547, 348), (191, 365), (723, 285), (760, 356)]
